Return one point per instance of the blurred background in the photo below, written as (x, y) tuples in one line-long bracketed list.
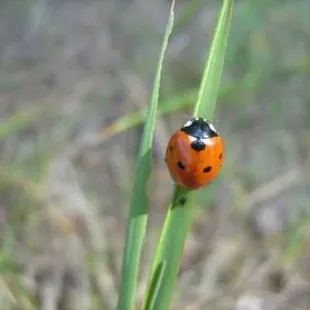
[(75, 77)]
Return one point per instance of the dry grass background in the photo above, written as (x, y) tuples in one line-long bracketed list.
[(68, 68)]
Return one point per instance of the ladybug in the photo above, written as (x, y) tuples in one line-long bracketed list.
[(194, 154)]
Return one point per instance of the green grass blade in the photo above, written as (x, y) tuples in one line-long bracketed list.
[(131, 120), (179, 217), (138, 207), (155, 285), (211, 77)]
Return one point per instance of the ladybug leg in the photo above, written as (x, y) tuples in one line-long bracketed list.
[(181, 201)]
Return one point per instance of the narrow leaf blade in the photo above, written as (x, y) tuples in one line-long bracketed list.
[(211, 77), (138, 207)]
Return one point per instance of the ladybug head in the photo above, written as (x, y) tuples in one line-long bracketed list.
[(199, 128)]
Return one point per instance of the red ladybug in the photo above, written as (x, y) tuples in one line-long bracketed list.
[(194, 154)]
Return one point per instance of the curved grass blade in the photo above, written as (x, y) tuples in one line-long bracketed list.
[(138, 207), (165, 107), (179, 217)]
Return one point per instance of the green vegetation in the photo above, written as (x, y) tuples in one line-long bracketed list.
[(137, 220), (74, 91)]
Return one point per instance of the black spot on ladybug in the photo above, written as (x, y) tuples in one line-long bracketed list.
[(171, 148), (180, 165), (221, 156), (182, 201), (207, 169), (198, 145)]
